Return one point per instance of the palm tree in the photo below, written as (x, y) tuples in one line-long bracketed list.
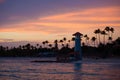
[(107, 28), (63, 45), (97, 32), (56, 44), (37, 45), (61, 41), (32, 47), (64, 39), (86, 39), (73, 39), (43, 43), (23, 47), (110, 39), (28, 46), (40, 47), (69, 42), (93, 40), (112, 31), (85, 36), (103, 33), (47, 42), (50, 45)]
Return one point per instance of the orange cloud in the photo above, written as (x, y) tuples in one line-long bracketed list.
[(83, 21), (72, 20), (97, 14)]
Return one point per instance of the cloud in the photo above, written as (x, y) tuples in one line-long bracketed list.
[(95, 14), (68, 22)]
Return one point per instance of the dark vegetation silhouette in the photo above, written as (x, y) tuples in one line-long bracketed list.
[(99, 46)]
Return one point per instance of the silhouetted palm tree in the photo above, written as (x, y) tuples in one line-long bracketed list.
[(64, 39), (43, 43), (98, 31), (69, 42), (32, 47), (50, 45), (67, 45), (108, 30), (112, 31), (23, 47), (110, 39), (47, 42), (40, 46), (93, 40), (56, 44), (73, 39), (86, 39), (85, 36), (61, 41), (103, 33), (37, 45), (28, 46), (63, 45)]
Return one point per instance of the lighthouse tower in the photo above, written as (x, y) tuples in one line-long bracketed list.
[(77, 48)]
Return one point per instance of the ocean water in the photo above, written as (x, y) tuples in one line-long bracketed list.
[(88, 69)]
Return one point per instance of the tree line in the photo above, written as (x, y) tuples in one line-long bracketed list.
[(105, 48)]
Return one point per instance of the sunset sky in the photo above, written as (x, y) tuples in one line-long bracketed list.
[(39, 20)]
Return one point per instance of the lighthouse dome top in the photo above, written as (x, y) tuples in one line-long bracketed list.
[(77, 34)]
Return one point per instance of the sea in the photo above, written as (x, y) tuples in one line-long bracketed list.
[(22, 68)]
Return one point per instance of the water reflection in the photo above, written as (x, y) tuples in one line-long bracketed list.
[(23, 69), (78, 71), (77, 67)]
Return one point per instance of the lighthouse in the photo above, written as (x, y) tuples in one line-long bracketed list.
[(77, 49)]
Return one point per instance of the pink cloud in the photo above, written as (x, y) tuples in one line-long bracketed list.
[(61, 24)]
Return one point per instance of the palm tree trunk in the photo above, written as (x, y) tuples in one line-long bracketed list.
[(108, 36), (111, 36), (104, 39), (99, 38), (94, 43), (86, 42), (96, 40)]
